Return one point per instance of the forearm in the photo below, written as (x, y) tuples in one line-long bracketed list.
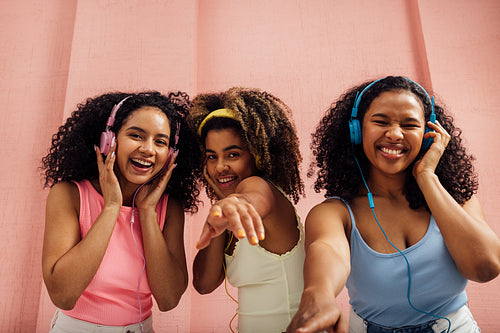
[(72, 272), (167, 273), (325, 270), (208, 271), (473, 245)]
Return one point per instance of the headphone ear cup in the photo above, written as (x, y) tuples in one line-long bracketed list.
[(426, 143), (105, 143), (355, 131), (169, 157)]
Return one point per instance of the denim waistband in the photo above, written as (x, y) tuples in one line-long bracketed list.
[(64, 323), (461, 320)]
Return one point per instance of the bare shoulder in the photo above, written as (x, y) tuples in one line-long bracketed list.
[(254, 183), (328, 216), (64, 195)]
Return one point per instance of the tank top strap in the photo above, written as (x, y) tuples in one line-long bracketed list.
[(353, 223)]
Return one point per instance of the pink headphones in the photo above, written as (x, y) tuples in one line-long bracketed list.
[(108, 136)]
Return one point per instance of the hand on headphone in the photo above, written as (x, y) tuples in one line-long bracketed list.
[(110, 187), (151, 192), (430, 160)]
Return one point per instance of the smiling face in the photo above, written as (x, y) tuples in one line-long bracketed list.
[(393, 128), (228, 160), (142, 145)]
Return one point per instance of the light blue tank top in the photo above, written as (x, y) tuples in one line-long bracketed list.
[(378, 282)]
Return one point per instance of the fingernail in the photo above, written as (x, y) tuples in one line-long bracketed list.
[(261, 236), (218, 214), (197, 244), (113, 142), (95, 147), (254, 240), (241, 233), (112, 154)]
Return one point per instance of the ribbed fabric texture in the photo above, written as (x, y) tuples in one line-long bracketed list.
[(111, 298), (269, 285), (378, 282)]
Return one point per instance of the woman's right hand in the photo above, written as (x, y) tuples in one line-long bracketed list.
[(110, 187), (318, 312), (236, 214)]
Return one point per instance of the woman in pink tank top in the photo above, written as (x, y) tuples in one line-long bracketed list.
[(121, 176)]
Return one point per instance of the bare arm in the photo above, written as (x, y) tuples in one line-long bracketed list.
[(68, 262), (165, 255), (474, 246), (208, 272), (241, 212), (326, 269)]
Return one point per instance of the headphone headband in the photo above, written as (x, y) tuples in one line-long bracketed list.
[(355, 126)]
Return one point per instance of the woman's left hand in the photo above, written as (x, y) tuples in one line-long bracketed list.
[(430, 160), (150, 193)]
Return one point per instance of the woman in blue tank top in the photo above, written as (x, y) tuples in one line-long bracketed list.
[(402, 227)]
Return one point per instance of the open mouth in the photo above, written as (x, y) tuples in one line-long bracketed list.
[(141, 164), (226, 180), (391, 151)]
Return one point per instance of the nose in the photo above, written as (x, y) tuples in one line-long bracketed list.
[(221, 165), (146, 146), (394, 132)]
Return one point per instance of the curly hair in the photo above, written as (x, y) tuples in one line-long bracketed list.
[(72, 156), (338, 172), (264, 123)]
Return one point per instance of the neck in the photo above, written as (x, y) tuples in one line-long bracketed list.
[(386, 185)]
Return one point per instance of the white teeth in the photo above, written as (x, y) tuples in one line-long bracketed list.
[(226, 180), (142, 162), (391, 151)]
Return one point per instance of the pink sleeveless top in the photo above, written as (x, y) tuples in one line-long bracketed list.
[(111, 298)]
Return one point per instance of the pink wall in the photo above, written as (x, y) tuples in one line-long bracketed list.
[(55, 53)]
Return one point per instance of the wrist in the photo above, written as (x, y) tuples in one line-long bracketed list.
[(425, 177)]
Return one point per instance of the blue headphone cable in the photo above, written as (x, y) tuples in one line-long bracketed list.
[(372, 207)]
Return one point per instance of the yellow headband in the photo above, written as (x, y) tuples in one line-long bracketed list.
[(221, 113)]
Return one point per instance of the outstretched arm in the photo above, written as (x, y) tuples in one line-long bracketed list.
[(326, 269), (241, 212)]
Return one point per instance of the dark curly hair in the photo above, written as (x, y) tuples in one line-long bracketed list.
[(72, 155), (264, 123), (338, 173)]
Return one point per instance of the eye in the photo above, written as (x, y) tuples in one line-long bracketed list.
[(233, 154), (210, 156), (411, 126), (135, 136), (162, 142), (380, 122)]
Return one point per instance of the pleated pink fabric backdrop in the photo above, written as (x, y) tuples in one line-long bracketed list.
[(56, 53)]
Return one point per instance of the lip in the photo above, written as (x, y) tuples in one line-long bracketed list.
[(141, 165), (226, 181), (392, 151)]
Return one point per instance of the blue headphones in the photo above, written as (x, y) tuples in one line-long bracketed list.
[(355, 126)]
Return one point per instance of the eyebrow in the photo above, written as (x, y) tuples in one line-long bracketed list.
[(225, 149), (382, 115), (135, 128)]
